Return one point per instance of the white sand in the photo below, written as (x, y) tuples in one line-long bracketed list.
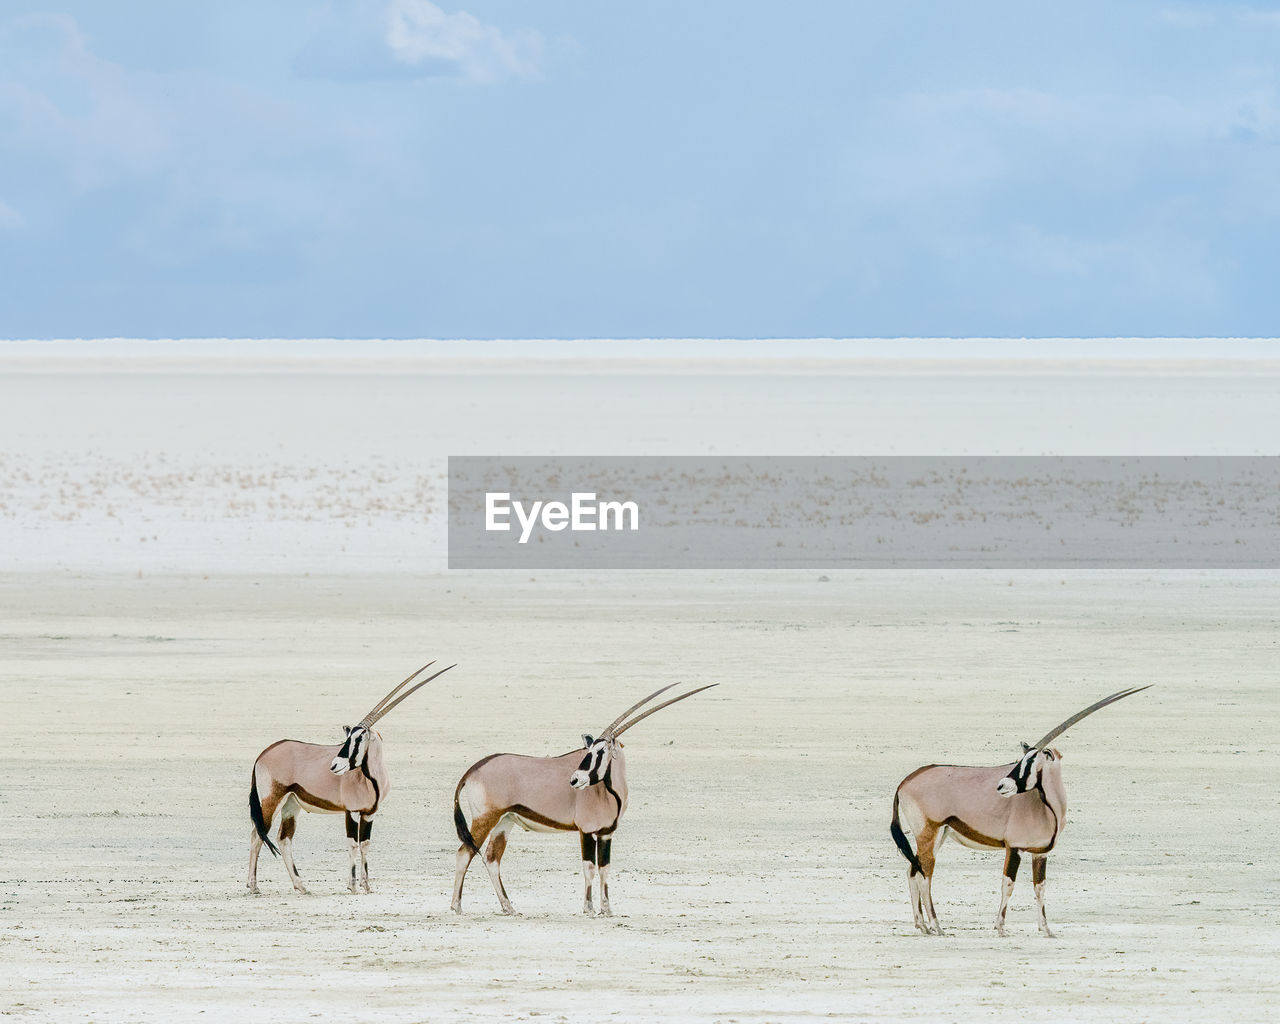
[(754, 875)]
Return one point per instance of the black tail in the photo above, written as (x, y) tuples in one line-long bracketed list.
[(255, 812), (460, 823), (900, 838)]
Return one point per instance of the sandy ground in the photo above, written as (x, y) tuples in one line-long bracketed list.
[(754, 876)]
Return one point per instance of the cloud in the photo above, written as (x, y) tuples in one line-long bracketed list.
[(1203, 17), (408, 39), (1188, 17), (1255, 17), (10, 218), (161, 171), (65, 107), (933, 146)]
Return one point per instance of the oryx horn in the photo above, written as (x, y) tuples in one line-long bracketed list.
[(368, 719), (388, 708), (638, 704), (1053, 734), (666, 703)]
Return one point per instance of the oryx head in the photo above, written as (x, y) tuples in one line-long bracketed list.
[(354, 750), (1028, 771), (595, 762), (601, 752), (355, 747)]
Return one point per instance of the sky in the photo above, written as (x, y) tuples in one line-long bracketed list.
[(557, 169)]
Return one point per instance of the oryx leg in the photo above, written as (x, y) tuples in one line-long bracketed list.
[(915, 889), (479, 828), (589, 856), (289, 811), (465, 856), (269, 804), (353, 848), (366, 830), (493, 861), (1039, 863), (255, 848), (1012, 858), (928, 839), (602, 867)]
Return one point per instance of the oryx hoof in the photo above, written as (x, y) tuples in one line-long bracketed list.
[(456, 908), (254, 891), (605, 912), (1048, 934), (589, 910), (510, 911), (1000, 931), (301, 890)]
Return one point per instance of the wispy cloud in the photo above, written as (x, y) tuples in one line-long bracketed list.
[(420, 33), (194, 165), (1218, 15), (1255, 17), (9, 217), (406, 39), (1188, 17)]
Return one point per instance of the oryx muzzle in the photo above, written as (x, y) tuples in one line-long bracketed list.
[(349, 778), (583, 791), (1020, 808)]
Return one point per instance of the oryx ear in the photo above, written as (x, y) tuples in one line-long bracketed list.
[(1026, 747), (587, 739), (1057, 754), (346, 730)]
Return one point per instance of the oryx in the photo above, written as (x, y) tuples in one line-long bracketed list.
[(583, 791), (348, 778), (1019, 808)]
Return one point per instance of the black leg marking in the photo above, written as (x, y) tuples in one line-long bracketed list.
[(605, 846), (589, 844), (1012, 861), (366, 830), (1038, 866), (353, 827)]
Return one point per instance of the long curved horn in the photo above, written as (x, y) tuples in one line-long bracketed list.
[(409, 693), (638, 704), (369, 718), (665, 703), (1053, 734)]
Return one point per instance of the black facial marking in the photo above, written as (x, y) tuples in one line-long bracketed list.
[(592, 763)]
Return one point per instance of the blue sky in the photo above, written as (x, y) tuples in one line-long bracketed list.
[(394, 168)]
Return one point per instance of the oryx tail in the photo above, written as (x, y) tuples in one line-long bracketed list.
[(255, 812), (899, 837), (460, 821)]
